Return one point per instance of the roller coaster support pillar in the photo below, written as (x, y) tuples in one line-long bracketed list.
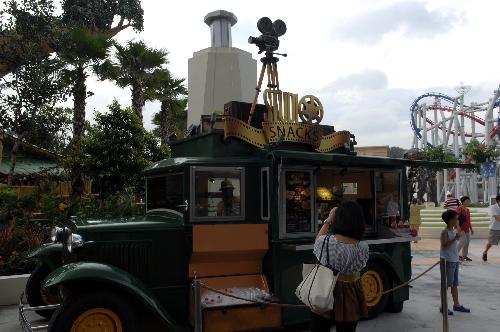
[(489, 115), (438, 187)]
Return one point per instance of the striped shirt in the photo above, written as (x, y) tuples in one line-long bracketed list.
[(451, 204), (345, 258)]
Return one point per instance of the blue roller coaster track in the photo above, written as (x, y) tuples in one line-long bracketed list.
[(413, 111)]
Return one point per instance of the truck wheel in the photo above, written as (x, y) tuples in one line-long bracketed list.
[(374, 280), (36, 295), (94, 311), (395, 307)]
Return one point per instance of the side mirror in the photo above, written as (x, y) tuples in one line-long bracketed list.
[(185, 205)]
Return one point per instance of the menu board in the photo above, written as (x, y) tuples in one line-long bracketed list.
[(298, 202)]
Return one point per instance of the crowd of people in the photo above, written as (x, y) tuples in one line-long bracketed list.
[(455, 239)]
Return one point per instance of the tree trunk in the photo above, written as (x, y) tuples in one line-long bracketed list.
[(164, 122), (13, 159), (79, 103), (137, 98)]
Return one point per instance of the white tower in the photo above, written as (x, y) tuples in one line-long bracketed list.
[(220, 73)]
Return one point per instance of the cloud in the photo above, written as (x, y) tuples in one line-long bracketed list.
[(369, 79), (365, 104), (411, 19)]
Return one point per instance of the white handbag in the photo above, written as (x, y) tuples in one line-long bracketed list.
[(316, 290)]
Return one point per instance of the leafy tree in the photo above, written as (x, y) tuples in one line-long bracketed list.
[(115, 150), (170, 92), (99, 15), (134, 67), (25, 27), (94, 15), (52, 129), (33, 88), (479, 153), (440, 153)]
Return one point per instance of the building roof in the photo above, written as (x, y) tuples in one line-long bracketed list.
[(31, 159)]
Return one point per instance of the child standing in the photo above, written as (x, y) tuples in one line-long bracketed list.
[(449, 251)]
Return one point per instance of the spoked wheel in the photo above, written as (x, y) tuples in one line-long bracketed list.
[(94, 312), (374, 281)]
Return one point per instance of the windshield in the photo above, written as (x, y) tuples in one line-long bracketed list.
[(165, 192)]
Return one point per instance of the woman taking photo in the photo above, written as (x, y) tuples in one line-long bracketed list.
[(348, 256)]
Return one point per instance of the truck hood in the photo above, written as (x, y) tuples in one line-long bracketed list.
[(152, 217)]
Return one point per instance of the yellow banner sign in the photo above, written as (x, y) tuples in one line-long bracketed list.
[(273, 132), (293, 132)]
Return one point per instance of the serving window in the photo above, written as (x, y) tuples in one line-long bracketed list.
[(335, 185), (389, 198), (217, 193)]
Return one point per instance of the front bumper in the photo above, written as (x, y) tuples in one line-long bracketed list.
[(23, 321)]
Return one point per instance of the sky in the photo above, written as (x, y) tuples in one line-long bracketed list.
[(366, 60)]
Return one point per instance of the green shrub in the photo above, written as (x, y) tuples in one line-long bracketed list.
[(17, 241), (27, 221)]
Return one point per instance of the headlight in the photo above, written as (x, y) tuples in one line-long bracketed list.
[(74, 241), (56, 234)]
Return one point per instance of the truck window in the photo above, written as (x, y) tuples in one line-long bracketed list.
[(388, 191), (335, 185), (218, 193), (165, 192), (297, 204)]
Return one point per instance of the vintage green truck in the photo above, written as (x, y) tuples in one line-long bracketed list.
[(232, 215), (237, 208)]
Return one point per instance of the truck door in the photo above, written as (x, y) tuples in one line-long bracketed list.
[(170, 245)]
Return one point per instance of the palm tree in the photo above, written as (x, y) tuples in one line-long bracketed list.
[(171, 93), (134, 67), (84, 50)]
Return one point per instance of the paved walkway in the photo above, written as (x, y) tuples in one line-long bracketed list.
[(479, 289)]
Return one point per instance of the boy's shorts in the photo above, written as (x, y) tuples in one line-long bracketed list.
[(494, 237), (452, 274)]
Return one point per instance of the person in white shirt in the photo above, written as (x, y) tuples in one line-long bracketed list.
[(494, 237), (392, 207)]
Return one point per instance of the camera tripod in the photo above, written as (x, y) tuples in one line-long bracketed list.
[(269, 65)]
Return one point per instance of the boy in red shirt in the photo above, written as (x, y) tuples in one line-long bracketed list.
[(465, 228)]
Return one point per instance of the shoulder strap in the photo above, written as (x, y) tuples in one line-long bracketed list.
[(323, 247), (328, 251)]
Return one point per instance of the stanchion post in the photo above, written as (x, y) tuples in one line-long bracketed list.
[(444, 293), (198, 315)]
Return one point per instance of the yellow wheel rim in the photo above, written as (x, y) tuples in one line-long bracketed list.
[(97, 320), (372, 287)]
